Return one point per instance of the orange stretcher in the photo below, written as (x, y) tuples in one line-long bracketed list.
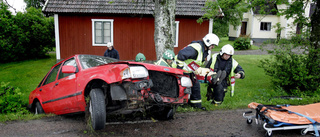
[(286, 117)]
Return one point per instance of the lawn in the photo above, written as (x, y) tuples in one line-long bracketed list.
[(26, 75)]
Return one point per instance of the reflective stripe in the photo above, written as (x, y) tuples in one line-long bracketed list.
[(195, 101), (217, 102), (184, 64)]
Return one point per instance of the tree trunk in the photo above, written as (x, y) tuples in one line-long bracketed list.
[(315, 31), (314, 51), (164, 21)]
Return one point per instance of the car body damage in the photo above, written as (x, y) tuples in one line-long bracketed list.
[(102, 86)]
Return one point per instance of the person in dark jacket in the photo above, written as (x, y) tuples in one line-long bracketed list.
[(111, 52), (190, 58), (227, 70)]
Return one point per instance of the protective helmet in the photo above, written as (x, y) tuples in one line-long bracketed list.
[(168, 54), (210, 39), (140, 57), (227, 49), (109, 44)]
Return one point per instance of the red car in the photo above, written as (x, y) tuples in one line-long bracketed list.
[(102, 86)]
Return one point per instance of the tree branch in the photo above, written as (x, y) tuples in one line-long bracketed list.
[(11, 6)]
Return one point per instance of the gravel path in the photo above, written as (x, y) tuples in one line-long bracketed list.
[(219, 123)]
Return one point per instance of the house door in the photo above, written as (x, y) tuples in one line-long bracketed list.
[(243, 28)]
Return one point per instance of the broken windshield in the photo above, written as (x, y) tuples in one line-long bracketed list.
[(88, 61)]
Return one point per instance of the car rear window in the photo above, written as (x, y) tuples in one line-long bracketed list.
[(88, 61)]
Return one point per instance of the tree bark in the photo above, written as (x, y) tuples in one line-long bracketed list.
[(164, 21), (315, 31), (314, 51)]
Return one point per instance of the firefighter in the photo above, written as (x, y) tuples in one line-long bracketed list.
[(190, 58), (225, 66), (167, 58), (140, 57)]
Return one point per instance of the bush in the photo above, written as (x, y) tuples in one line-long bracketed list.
[(24, 36), (242, 43), (291, 71), (11, 100)]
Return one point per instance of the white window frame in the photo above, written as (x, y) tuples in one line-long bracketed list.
[(177, 34), (268, 29), (93, 31)]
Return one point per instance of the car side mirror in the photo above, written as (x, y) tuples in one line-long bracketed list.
[(69, 69)]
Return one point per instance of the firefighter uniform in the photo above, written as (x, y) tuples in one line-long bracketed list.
[(230, 68), (193, 53)]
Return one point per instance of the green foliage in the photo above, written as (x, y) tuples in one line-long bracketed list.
[(35, 3), (11, 100), (242, 43), (291, 70), (27, 35), (220, 29), (231, 10)]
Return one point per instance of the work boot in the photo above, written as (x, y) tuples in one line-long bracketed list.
[(203, 108), (216, 103)]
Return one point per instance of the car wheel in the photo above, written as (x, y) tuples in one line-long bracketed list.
[(164, 113), (97, 109), (38, 108)]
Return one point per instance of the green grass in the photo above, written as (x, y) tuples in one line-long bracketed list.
[(26, 75)]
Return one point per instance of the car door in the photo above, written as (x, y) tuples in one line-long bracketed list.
[(65, 90), (45, 91)]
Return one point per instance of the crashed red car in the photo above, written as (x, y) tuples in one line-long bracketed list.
[(103, 86)]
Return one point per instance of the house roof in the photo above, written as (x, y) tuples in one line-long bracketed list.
[(183, 7)]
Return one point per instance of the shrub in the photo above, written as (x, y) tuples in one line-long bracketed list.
[(291, 70), (242, 43), (24, 36), (11, 100)]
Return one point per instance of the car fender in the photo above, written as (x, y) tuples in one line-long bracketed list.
[(109, 73), (36, 97)]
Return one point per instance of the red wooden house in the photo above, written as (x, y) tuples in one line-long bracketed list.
[(85, 26)]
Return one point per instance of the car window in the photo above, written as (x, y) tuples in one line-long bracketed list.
[(88, 61), (71, 62), (42, 80), (53, 75)]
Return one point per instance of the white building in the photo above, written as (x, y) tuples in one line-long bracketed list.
[(261, 27)]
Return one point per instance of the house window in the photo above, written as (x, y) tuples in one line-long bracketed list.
[(102, 32), (265, 26), (176, 34)]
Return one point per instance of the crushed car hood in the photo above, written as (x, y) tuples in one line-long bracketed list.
[(153, 67)]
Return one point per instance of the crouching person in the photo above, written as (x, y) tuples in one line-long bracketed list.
[(227, 69)]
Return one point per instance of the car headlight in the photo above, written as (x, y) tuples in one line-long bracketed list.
[(135, 72), (186, 82)]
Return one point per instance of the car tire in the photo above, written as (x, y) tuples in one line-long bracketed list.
[(97, 109), (164, 113), (38, 108)]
